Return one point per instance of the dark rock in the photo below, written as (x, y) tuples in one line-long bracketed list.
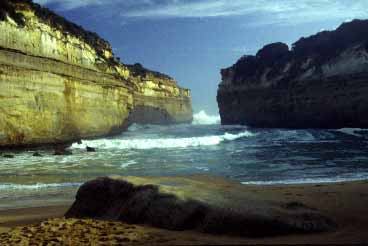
[(111, 199), (36, 154), (319, 83), (295, 205), (90, 149), (61, 150), (272, 53), (10, 156)]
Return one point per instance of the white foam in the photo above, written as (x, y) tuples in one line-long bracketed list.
[(38, 186), (294, 135), (160, 143), (202, 118), (309, 180), (134, 127), (137, 127), (128, 163), (351, 131)]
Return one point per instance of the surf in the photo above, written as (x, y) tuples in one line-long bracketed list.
[(202, 118), (161, 143)]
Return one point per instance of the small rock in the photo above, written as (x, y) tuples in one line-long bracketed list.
[(294, 205), (8, 156), (36, 154), (60, 150), (90, 149)]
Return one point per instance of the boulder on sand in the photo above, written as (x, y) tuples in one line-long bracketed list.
[(185, 204)]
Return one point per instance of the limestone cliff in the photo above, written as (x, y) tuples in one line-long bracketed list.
[(322, 82), (60, 83), (157, 99)]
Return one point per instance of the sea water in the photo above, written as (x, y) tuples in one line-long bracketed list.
[(246, 155)]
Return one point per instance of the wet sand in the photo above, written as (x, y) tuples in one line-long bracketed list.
[(28, 216), (344, 203)]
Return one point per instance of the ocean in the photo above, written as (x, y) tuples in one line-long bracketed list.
[(246, 155)]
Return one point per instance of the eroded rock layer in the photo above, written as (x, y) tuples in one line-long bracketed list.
[(60, 83), (322, 82)]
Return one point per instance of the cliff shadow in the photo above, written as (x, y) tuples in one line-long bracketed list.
[(150, 115)]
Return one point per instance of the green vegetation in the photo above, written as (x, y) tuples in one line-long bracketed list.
[(329, 44), (6, 8), (321, 47), (138, 70)]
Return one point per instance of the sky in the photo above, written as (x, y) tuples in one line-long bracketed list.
[(192, 40)]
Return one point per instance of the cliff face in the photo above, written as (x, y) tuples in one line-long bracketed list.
[(60, 83), (158, 100), (322, 82)]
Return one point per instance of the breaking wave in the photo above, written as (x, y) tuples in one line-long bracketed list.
[(293, 135), (37, 186), (160, 143), (357, 132), (338, 179), (202, 118)]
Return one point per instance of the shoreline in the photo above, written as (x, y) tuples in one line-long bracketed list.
[(345, 202), (11, 218), (73, 187), (308, 181)]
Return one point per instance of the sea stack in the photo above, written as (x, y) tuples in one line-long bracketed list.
[(321, 82), (60, 83)]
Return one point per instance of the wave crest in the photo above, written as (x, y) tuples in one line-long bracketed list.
[(356, 132), (353, 177), (202, 118), (160, 143), (38, 186)]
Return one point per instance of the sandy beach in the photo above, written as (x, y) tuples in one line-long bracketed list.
[(344, 203)]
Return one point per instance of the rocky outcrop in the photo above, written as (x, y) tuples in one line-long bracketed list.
[(193, 204), (322, 82), (60, 83)]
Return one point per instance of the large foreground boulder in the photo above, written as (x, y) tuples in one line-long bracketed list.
[(192, 204)]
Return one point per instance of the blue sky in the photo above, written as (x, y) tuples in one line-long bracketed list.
[(191, 40)]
